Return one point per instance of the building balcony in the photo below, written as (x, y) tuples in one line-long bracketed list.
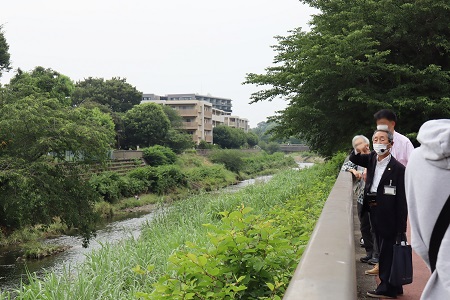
[(190, 125), (187, 112), (209, 139), (208, 126)]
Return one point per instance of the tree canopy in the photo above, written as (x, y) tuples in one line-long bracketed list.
[(36, 180), (146, 125), (116, 94), (40, 81), (359, 57), (229, 137), (4, 54)]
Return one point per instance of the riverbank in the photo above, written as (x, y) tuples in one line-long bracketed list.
[(107, 273), (200, 173)]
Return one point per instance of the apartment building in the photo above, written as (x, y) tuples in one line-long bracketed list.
[(199, 116), (217, 102), (236, 122)]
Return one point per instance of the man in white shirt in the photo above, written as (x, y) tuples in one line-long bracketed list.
[(402, 148)]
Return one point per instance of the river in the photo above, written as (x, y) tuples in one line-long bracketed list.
[(12, 271)]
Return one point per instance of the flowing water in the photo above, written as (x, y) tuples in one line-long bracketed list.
[(12, 271)]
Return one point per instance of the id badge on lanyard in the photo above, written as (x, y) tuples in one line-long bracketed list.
[(390, 189)]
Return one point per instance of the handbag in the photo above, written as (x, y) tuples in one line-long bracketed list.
[(401, 268)]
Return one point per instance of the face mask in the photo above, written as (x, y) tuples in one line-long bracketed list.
[(380, 149), (383, 127)]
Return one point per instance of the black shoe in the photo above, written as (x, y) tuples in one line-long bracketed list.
[(376, 294), (365, 259), (373, 261)]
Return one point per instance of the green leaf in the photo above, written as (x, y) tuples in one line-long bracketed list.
[(202, 260)]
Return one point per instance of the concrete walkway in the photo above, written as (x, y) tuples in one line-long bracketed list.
[(365, 283)]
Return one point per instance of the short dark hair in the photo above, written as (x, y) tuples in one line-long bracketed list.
[(385, 114)]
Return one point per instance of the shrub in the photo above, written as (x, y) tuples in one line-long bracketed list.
[(250, 257), (159, 155), (273, 147), (130, 186), (209, 177), (231, 159), (205, 145), (168, 177), (179, 141), (107, 185)]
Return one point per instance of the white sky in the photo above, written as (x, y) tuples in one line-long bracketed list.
[(161, 47)]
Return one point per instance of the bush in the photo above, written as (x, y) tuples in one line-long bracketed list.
[(205, 145), (231, 159), (209, 177), (273, 147), (159, 179), (179, 141), (250, 257), (107, 185), (159, 155), (168, 177), (130, 186)]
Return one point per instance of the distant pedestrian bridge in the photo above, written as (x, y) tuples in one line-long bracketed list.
[(294, 147)]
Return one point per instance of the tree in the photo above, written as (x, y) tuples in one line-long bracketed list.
[(264, 130), (146, 125), (40, 81), (176, 121), (36, 180), (228, 137), (272, 147), (116, 94), (4, 54), (178, 140), (252, 139), (359, 57)]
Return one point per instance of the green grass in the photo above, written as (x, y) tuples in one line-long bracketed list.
[(107, 273)]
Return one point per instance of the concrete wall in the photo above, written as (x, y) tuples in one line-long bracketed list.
[(126, 154), (293, 147), (327, 267), (205, 152)]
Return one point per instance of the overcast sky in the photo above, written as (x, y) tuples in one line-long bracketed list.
[(161, 47)]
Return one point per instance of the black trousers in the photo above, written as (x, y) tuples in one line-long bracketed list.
[(365, 228), (386, 248)]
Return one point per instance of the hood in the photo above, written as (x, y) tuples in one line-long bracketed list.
[(434, 137)]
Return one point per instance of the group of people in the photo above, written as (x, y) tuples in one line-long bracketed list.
[(393, 179)]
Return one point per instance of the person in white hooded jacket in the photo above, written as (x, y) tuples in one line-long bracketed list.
[(427, 184)]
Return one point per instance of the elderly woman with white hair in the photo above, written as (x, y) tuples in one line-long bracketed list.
[(361, 143)]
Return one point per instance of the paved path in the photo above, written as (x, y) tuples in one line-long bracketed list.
[(366, 283)]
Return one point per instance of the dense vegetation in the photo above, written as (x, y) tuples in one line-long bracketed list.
[(169, 174), (177, 242), (359, 57), (54, 131), (233, 138)]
